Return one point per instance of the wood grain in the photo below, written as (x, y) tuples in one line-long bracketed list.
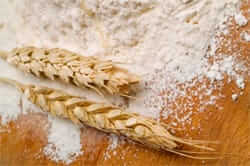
[(22, 144)]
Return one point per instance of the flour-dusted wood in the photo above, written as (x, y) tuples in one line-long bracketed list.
[(22, 141)]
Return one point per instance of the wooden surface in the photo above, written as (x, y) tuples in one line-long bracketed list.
[(22, 145)]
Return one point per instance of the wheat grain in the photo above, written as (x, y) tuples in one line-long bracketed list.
[(107, 118), (70, 67)]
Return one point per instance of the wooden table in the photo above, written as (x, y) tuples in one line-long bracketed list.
[(21, 146)]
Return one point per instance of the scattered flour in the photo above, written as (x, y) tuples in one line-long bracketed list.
[(114, 139), (235, 97), (64, 143), (229, 66), (245, 36), (113, 144), (240, 83), (240, 19)]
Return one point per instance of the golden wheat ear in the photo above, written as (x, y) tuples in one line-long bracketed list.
[(108, 118), (83, 71)]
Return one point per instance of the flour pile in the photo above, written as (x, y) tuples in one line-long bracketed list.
[(9, 106), (63, 141)]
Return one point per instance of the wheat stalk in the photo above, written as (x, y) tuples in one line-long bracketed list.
[(73, 68), (108, 118)]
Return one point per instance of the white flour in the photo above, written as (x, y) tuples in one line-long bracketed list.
[(240, 19), (164, 41), (235, 97), (9, 104), (245, 36), (64, 143)]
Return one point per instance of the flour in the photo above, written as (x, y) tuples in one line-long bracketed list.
[(240, 19), (9, 104), (245, 36), (240, 83), (63, 141), (114, 142), (61, 24), (235, 97), (114, 139), (168, 42), (229, 66)]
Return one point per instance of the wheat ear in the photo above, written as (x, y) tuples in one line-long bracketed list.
[(107, 118), (73, 68)]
